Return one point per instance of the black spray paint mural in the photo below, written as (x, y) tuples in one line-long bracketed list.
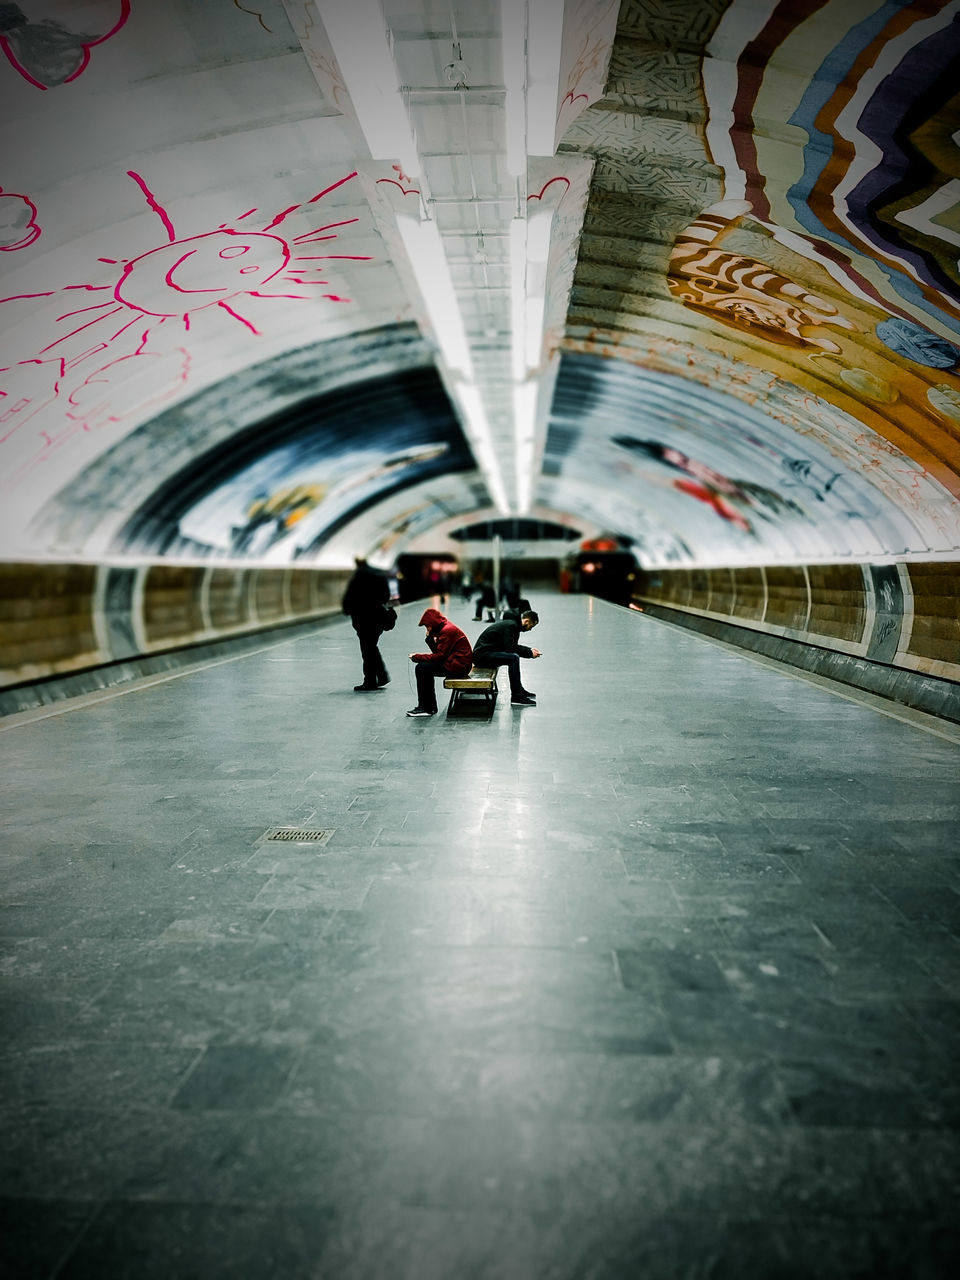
[(284, 504), (280, 490)]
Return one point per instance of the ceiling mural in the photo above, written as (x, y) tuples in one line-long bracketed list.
[(804, 241), (714, 306), (730, 481), (278, 491), (791, 415), (288, 502), (386, 527), (870, 109)]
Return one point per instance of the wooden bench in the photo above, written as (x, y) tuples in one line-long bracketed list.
[(481, 681)]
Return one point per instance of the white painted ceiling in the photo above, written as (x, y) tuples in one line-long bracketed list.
[(203, 211)]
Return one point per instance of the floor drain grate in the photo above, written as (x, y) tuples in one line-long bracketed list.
[(297, 835)]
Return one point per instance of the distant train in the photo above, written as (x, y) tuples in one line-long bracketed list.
[(603, 567)]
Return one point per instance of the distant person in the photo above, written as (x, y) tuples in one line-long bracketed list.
[(510, 595), (487, 599), (368, 591), (497, 647), (516, 611), (450, 655)]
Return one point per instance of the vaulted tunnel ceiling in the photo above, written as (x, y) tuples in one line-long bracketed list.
[(276, 285)]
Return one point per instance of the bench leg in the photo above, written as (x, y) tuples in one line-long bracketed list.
[(459, 696)]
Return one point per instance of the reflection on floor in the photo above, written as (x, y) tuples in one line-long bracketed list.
[(656, 979)]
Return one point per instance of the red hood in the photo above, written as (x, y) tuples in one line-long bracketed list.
[(432, 618)]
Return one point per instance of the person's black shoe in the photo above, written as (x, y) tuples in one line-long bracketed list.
[(527, 693), (523, 701), (420, 711), (382, 681), (365, 688)]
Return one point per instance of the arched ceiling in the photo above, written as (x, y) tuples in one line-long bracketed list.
[(294, 279)]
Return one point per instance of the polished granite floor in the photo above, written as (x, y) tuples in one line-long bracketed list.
[(657, 980)]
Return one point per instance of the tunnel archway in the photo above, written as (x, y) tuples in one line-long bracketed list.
[(706, 299)]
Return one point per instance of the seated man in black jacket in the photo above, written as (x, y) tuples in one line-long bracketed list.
[(497, 647)]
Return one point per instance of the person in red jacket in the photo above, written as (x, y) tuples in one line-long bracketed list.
[(450, 654)]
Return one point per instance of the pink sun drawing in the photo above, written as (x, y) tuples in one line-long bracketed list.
[(213, 269), (161, 292)]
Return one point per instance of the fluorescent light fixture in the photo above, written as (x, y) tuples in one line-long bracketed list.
[(513, 43), (478, 432), (424, 248), (539, 224), (525, 491), (544, 40), (518, 296), (358, 35), (524, 427), (534, 326)]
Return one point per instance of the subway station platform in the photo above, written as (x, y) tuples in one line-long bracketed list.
[(658, 979)]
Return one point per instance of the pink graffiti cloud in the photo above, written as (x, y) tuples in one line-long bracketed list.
[(48, 53), (25, 389), (573, 99), (156, 377), (18, 225), (540, 194), (392, 182), (253, 14)]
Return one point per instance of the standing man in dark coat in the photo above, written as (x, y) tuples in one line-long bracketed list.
[(450, 655), (366, 594), (497, 647)]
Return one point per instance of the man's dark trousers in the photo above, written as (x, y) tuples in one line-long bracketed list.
[(374, 669), (509, 660), (428, 673)]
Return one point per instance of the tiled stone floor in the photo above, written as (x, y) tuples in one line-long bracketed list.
[(659, 979)]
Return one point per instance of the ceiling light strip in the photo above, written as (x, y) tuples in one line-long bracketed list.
[(360, 41), (481, 440), (545, 38), (539, 226), (518, 287), (513, 40), (424, 247), (525, 421)]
